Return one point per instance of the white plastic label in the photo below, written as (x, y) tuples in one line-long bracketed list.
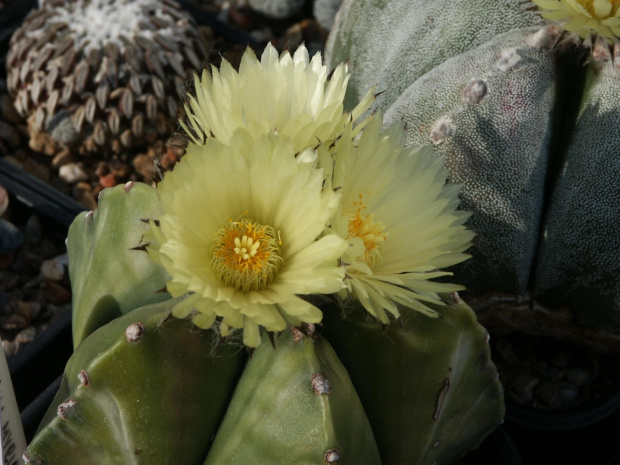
[(12, 439)]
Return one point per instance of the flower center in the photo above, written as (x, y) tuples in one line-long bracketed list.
[(246, 255), (369, 231)]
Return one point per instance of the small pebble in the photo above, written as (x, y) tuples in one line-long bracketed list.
[(548, 393), (53, 270), (108, 180), (555, 374), (144, 165), (578, 377), (9, 134), (62, 158), (84, 194), (10, 238), (34, 230), (8, 111), (56, 294), (10, 349), (72, 173), (567, 395), (4, 200), (507, 352), (25, 336)]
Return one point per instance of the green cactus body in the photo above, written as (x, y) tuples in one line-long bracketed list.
[(429, 389), (294, 404), (104, 289), (144, 389), (500, 102)]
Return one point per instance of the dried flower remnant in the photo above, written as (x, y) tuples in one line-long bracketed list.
[(103, 75)]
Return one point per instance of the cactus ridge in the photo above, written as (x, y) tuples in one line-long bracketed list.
[(143, 389), (104, 289)]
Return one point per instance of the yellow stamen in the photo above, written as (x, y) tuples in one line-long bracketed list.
[(246, 255), (370, 231)]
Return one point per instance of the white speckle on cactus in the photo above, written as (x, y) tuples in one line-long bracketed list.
[(475, 91), (89, 216), (320, 384), (441, 130), (332, 456), (510, 59), (128, 186), (134, 332)]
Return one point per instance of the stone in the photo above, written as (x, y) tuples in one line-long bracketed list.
[(62, 158), (33, 230), (72, 173), (53, 270), (8, 111), (4, 200), (9, 134), (56, 294), (10, 237), (83, 193)]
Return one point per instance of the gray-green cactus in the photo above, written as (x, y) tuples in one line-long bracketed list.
[(498, 91)]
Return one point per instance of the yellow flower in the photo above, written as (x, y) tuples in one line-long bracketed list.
[(400, 219), (240, 231), (585, 17), (290, 96)]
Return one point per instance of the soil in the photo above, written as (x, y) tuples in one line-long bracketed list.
[(34, 283)]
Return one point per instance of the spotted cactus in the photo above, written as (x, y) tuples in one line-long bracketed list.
[(524, 112)]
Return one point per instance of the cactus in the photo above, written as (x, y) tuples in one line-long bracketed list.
[(285, 389), (529, 132), (145, 388), (114, 229), (255, 231)]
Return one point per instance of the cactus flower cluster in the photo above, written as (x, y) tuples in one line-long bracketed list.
[(286, 211), (305, 202)]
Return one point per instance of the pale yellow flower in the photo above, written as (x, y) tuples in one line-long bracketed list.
[(400, 219), (584, 17), (242, 233), (288, 95)]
